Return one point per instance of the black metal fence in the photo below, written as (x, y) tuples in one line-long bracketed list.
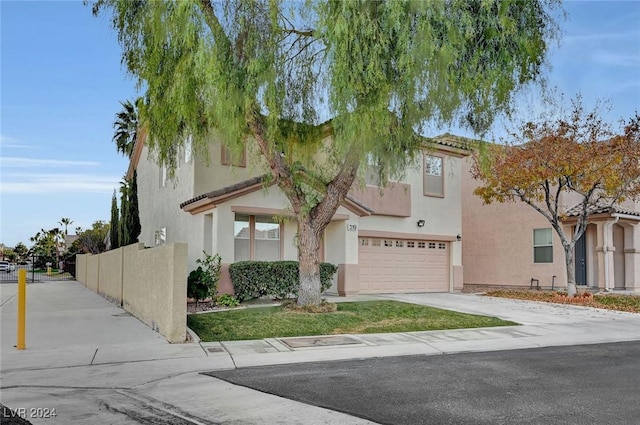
[(40, 269)]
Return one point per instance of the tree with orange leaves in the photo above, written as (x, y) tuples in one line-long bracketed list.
[(576, 153)]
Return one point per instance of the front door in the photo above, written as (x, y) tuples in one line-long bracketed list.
[(581, 260)]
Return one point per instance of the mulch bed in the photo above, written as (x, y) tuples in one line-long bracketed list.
[(207, 306), (618, 302)]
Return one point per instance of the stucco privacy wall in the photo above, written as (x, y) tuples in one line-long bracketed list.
[(150, 283), (154, 287), (81, 268), (110, 275), (93, 272)]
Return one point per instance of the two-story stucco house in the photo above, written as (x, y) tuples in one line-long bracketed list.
[(512, 245), (401, 238)]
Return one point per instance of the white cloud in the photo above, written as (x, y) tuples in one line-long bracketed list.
[(617, 59), (7, 142), (597, 37), (16, 162), (58, 183)]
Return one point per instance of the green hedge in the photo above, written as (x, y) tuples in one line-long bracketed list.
[(255, 279)]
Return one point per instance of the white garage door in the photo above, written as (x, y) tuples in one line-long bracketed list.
[(400, 265)]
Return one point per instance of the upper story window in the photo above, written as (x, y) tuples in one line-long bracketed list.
[(188, 149), (433, 178), (228, 159), (542, 246), (164, 175), (372, 172)]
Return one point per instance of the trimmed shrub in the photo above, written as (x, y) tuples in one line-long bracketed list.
[(197, 287), (279, 279), (226, 300), (203, 281)]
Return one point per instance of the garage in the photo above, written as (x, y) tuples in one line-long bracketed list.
[(403, 265)]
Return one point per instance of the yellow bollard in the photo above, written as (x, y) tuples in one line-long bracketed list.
[(22, 308), (48, 271)]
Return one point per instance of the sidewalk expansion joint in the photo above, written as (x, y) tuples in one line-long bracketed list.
[(94, 357)]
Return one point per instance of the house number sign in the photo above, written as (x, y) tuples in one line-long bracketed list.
[(352, 227)]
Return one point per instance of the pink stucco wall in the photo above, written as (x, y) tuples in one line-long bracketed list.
[(497, 244)]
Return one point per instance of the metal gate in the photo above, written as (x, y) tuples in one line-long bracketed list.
[(40, 269)]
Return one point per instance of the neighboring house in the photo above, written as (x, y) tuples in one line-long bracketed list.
[(510, 244), (69, 240), (402, 238)]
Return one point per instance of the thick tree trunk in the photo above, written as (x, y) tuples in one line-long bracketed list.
[(571, 270), (308, 244)]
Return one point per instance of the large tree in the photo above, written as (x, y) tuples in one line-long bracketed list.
[(92, 241), (575, 153), (282, 76), (21, 251)]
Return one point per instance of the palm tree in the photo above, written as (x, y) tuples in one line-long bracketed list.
[(35, 238), (56, 234), (126, 126), (65, 222)]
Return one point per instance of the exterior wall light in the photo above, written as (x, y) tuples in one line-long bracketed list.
[(420, 223), (459, 237)]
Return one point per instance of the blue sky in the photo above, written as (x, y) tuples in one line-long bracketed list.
[(61, 83)]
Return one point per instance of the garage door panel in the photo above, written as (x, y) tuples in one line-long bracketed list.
[(398, 265)]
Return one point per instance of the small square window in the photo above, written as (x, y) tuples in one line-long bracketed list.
[(375, 242), (388, 243), (421, 245), (364, 242), (442, 246), (399, 244), (432, 245), (227, 158), (411, 244)]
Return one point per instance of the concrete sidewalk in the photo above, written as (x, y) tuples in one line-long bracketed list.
[(92, 361)]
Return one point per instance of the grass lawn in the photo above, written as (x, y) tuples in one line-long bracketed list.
[(351, 318), (620, 302)]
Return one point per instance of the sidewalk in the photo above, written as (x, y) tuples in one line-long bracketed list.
[(94, 362)]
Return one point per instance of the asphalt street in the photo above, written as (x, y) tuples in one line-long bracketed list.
[(571, 385)]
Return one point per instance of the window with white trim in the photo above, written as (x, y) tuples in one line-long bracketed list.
[(542, 246), (433, 178)]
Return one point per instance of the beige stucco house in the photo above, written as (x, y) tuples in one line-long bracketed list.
[(402, 238), (512, 245)]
